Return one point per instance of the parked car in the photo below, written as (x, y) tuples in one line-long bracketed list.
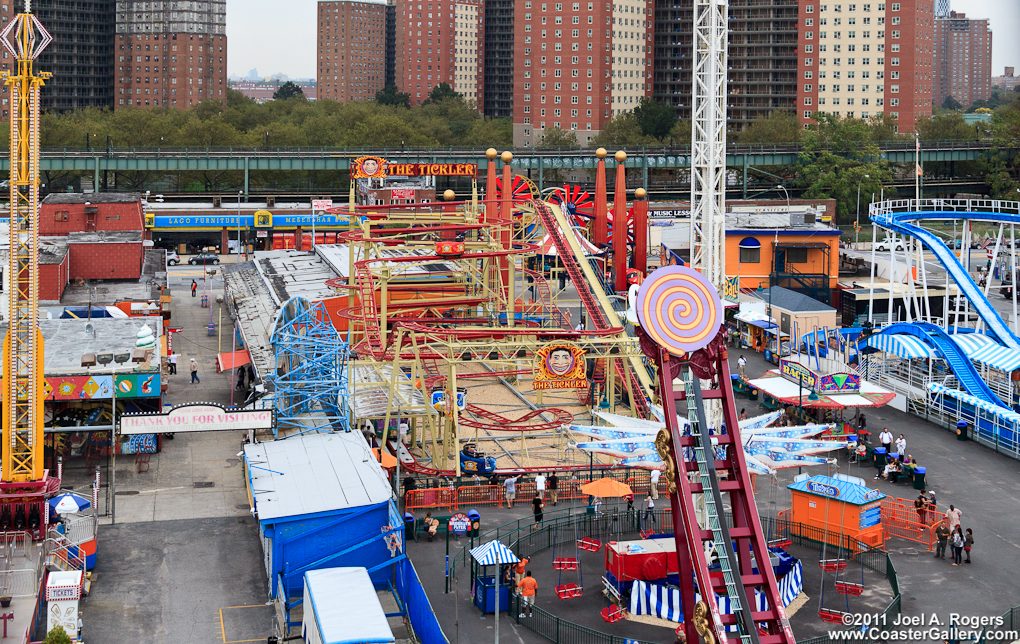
[(890, 243), (204, 258), (172, 258)]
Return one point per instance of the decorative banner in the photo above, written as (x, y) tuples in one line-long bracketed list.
[(731, 290), (368, 168), (138, 385), (679, 309), (839, 383), (80, 387), (798, 373), (560, 365), (459, 524), (139, 444), (198, 417), (432, 169)]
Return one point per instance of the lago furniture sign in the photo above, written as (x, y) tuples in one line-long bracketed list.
[(199, 417)]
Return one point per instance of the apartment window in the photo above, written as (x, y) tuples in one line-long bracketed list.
[(895, 6), (808, 35), (796, 255), (894, 61), (896, 33), (809, 22), (809, 9), (807, 88), (895, 48), (894, 102), (750, 251), (894, 75), (808, 74), (808, 49), (807, 115), (807, 100), (896, 19), (809, 61), (60, 215), (879, 101)]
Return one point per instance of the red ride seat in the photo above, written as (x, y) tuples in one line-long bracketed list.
[(569, 591), (833, 565), (589, 544), (849, 588), (831, 616), (565, 563), (613, 614)]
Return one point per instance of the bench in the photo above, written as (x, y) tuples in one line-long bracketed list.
[(421, 528)]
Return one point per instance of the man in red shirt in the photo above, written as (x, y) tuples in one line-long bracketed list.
[(528, 586), (519, 572)]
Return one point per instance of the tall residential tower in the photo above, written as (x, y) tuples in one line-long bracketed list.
[(963, 59), (351, 49)]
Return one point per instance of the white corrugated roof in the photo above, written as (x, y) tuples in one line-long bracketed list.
[(314, 473), (346, 607)]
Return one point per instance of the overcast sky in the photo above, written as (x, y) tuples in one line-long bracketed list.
[(276, 37)]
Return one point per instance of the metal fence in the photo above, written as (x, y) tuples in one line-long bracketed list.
[(558, 630), (419, 611)]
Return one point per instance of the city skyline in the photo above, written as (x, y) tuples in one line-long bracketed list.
[(253, 24)]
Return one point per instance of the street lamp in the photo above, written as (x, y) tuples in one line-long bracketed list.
[(857, 227), (787, 198), (245, 247)]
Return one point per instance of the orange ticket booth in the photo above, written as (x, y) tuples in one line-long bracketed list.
[(825, 507)]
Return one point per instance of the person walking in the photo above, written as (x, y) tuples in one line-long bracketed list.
[(942, 534), (540, 481), (510, 484), (194, 372), (921, 507), (536, 507), (901, 446), (553, 484), (953, 517), (528, 587), (886, 439), (958, 543), (171, 363), (650, 509), (519, 571), (968, 543), (630, 503), (741, 363), (194, 288), (743, 414), (654, 488)]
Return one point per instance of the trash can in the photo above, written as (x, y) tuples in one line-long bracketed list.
[(476, 522), (961, 430), (210, 329), (879, 458), (919, 479), (409, 526), (752, 393)]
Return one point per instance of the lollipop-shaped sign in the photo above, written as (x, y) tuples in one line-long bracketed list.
[(679, 309)]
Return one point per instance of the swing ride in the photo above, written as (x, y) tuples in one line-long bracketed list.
[(568, 590)]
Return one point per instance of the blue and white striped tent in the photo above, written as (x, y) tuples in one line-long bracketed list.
[(1000, 412), (492, 553), (663, 601), (981, 348), (903, 346)]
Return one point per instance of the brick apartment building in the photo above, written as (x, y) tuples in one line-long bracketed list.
[(441, 41), (170, 57), (963, 59), (859, 59), (578, 64), (351, 44)]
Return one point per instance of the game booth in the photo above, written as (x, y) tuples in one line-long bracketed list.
[(644, 575)]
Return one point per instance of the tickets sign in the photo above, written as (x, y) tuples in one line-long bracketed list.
[(203, 417)]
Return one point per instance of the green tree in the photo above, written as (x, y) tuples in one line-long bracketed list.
[(655, 119), (951, 103), (390, 95), (555, 138), (288, 91), (621, 131), (1003, 176), (945, 126), (781, 126), (57, 636), (442, 92), (680, 133), (883, 127), (490, 133), (838, 155)]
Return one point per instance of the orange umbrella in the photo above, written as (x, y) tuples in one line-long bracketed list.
[(387, 459), (606, 488)]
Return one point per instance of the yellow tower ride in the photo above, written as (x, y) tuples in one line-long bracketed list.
[(23, 391)]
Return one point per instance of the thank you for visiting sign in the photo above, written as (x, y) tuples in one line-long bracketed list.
[(201, 417)]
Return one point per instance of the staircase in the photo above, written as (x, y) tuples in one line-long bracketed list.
[(369, 314), (60, 550)]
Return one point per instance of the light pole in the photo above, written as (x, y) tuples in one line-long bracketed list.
[(787, 198), (245, 247), (857, 226)]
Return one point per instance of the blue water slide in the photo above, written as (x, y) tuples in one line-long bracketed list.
[(899, 222), (954, 356)]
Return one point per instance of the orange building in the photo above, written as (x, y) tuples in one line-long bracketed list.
[(772, 246), (825, 508)]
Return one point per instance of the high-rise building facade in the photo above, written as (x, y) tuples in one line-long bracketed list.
[(498, 59), (440, 41), (170, 55), (963, 59), (1008, 81), (860, 59), (80, 56), (941, 8), (579, 64), (762, 58), (351, 49)]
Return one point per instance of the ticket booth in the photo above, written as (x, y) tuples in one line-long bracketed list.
[(825, 507)]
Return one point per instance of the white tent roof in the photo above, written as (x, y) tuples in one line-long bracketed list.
[(345, 606)]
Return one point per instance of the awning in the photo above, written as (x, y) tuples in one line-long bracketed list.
[(228, 361), (755, 319), (981, 348), (794, 244), (790, 393), (1000, 412), (903, 346)]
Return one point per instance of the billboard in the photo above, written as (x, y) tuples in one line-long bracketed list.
[(198, 417)]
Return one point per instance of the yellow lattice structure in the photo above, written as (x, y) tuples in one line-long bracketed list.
[(23, 392)]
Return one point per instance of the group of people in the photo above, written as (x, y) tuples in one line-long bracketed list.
[(518, 577), (950, 532), (543, 483)]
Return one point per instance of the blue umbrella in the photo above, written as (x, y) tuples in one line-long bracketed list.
[(69, 503)]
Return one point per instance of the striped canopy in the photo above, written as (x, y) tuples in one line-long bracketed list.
[(492, 553), (904, 346), (548, 249), (981, 348), (996, 410)]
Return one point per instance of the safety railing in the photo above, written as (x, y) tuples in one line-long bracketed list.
[(902, 520), (453, 498)]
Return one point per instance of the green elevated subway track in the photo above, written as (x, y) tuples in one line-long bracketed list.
[(538, 161)]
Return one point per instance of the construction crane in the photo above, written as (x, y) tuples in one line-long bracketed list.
[(708, 141), (24, 38)]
